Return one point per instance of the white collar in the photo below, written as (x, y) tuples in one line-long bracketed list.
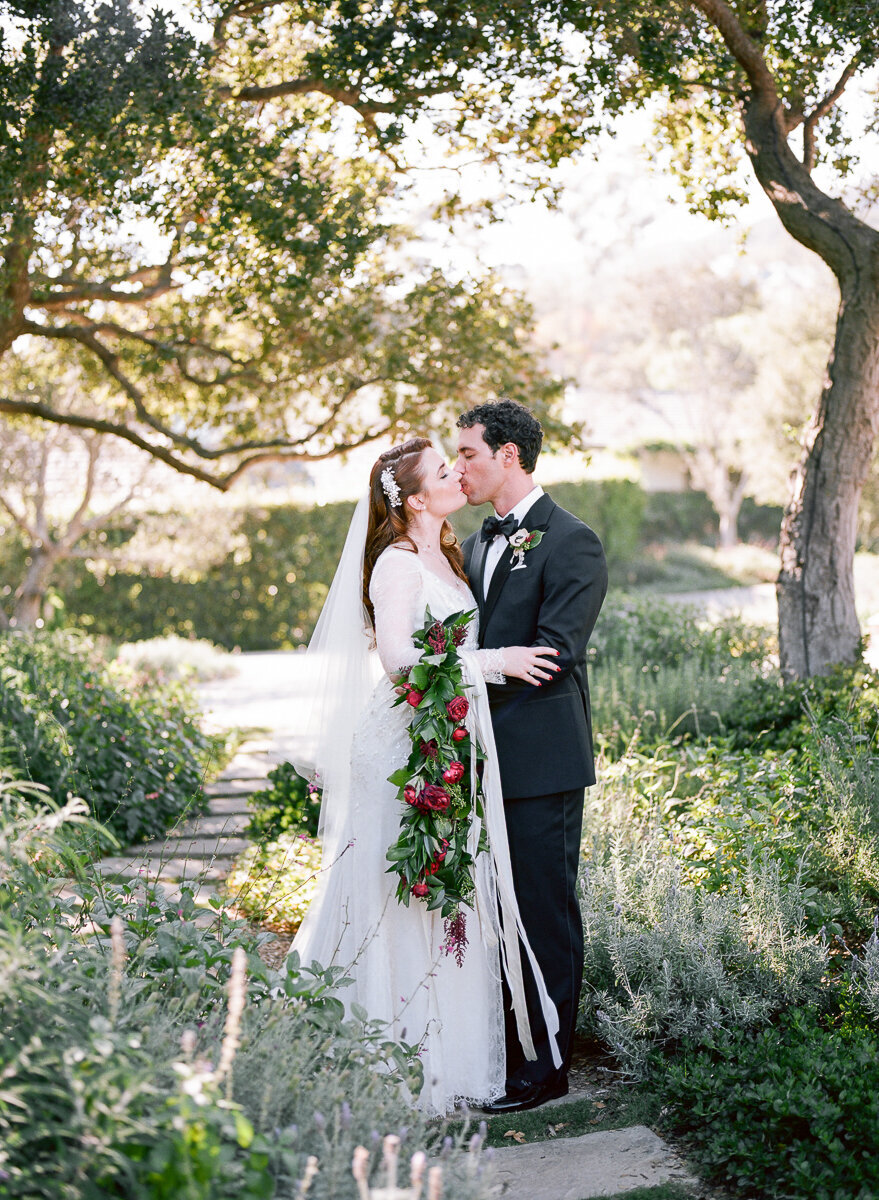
[(525, 504)]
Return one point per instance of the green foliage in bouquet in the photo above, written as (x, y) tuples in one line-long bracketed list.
[(430, 856)]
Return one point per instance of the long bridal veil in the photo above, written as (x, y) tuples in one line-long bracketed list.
[(340, 670)]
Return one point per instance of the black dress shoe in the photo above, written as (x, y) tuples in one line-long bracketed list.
[(530, 1095)]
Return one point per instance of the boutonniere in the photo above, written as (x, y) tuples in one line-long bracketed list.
[(520, 543)]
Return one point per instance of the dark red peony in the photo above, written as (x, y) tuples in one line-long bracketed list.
[(420, 889), (454, 772), (429, 749), (409, 794), (457, 708), (434, 798), (459, 734)]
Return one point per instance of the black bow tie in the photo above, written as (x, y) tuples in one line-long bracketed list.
[(492, 526)]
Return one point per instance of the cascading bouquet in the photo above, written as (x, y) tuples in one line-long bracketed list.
[(431, 856)]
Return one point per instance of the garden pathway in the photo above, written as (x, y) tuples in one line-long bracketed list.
[(263, 697), (199, 852)]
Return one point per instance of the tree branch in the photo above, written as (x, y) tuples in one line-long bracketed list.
[(74, 525), (35, 408), (306, 84), (20, 520), (743, 48), (821, 109), (246, 9), (279, 451)]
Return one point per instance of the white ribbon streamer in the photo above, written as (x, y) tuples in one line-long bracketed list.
[(509, 930)]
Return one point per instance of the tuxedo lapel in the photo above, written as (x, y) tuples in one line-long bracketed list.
[(477, 569), (536, 518)]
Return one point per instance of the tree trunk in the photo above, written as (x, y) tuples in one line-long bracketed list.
[(817, 620), (31, 595), (728, 527)]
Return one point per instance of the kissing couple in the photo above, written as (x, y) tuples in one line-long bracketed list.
[(495, 1029)]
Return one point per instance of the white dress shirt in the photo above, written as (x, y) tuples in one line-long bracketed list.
[(499, 542)]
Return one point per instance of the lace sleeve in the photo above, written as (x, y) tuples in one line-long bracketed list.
[(395, 591), (491, 664)]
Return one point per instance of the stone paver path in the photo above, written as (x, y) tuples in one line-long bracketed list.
[(199, 853), (596, 1164)]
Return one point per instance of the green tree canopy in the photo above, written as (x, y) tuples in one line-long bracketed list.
[(223, 248), (782, 85)]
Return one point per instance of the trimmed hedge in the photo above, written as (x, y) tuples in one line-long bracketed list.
[(268, 591), (271, 600)]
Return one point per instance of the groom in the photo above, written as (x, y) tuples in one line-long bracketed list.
[(547, 594)]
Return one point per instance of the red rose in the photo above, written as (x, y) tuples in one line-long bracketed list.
[(429, 749), (459, 734), (435, 798), (420, 889), (414, 698), (457, 708), (409, 794), (454, 772)]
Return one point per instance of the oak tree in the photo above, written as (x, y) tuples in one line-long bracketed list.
[(781, 86), (226, 249)]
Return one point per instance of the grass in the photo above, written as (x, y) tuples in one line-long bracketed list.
[(617, 1109)]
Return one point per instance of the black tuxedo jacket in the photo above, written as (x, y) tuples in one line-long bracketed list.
[(543, 734)]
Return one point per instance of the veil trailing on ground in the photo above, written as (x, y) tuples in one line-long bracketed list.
[(340, 671)]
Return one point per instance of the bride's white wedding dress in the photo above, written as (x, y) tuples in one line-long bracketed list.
[(402, 974)]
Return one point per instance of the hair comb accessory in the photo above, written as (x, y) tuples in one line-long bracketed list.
[(390, 487)]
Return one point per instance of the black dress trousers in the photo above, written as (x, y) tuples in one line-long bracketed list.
[(544, 834)]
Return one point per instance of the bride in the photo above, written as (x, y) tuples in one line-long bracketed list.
[(400, 557)]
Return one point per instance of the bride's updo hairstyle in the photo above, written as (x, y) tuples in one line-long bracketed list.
[(390, 515)]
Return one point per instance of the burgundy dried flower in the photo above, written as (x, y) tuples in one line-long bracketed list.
[(436, 638), (455, 929)]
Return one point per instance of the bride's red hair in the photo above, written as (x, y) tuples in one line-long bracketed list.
[(389, 523)]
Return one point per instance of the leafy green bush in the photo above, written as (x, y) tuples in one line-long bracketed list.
[(811, 811), (634, 702), (268, 591), (266, 594), (614, 508), (289, 805), (666, 961), (679, 517), (138, 757), (274, 882), (140, 1059), (788, 1111), (663, 634), (780, 715)]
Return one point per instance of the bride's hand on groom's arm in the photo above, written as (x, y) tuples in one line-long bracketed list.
[(533, 664)]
